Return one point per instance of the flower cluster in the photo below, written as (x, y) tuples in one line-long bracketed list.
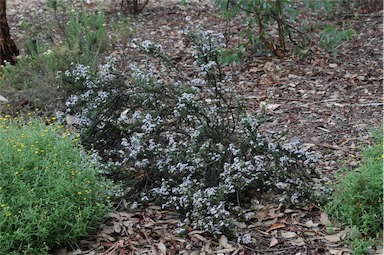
[(97, 97)]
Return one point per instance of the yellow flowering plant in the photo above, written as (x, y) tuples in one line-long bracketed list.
[(49, 193)]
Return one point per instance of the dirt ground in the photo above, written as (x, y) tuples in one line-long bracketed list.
[(328, 104)]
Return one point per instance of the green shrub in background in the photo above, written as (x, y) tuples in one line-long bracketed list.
[(50, 193), (358, 198), (270, 26), (66, 36)]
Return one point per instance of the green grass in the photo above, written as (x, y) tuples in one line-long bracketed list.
[(358, 198), (49, 194)]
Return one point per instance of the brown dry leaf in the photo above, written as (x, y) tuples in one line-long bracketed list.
[(70, 119), (225, 251), (166, 222), (275, 226), (114, 215), (117, 227), (273, 242), (76, 252), (272, 107), (298, 242), (162, 248), (324, 219), (196, 232), (256, 69), (288, 234), (269, 223), (338, 236), (104, 229), (239, 224), (311, 224), (207, 248), (88, 253), (200, 238), (337, 251), (223, 241), (289, 210), (3, 99)]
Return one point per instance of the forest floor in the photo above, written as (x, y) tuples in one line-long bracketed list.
[(327, 104)]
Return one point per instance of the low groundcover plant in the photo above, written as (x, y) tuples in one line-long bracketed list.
[(358, 198), (50, 193), (188, 143)]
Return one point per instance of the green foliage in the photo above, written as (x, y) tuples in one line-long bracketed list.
[(67, 36), (269, 24), (331, 38), (358, 198), (74, 34), (49, 192)]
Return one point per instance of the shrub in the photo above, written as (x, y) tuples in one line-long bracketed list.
[(358, 197), (187, 142), (270, 25), (50, 193), (135, 6), (67, 36)]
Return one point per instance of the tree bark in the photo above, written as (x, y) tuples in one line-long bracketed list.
[(8, 49)]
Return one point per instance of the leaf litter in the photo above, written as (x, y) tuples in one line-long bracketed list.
[(328, 104)]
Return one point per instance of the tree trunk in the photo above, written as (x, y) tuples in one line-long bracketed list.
[(8, 49)]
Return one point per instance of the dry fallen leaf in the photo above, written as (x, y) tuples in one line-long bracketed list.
[(256, 69), (223, 241), (276, 226), (273, 107), (337, 252), (324, 219), (298, 242), (70, 119), (3, 99), (162, 248), (288, 234), (239, 224), (338, 236), (117, 227), (311, 224), (289, 210), (200, 238), (196, 232), (273, 242), (225, 251)]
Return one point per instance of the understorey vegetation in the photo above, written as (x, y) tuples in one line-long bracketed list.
[(184, 141), (50, 191), (358, 198), (187, 142)]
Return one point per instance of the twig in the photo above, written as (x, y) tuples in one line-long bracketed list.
[(267, 250), (292, 99)]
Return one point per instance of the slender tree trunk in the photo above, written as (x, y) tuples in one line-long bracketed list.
[(8, 49)]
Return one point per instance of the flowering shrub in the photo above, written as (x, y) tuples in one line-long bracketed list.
[(95, 107), (189, 144), (49, 194)]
